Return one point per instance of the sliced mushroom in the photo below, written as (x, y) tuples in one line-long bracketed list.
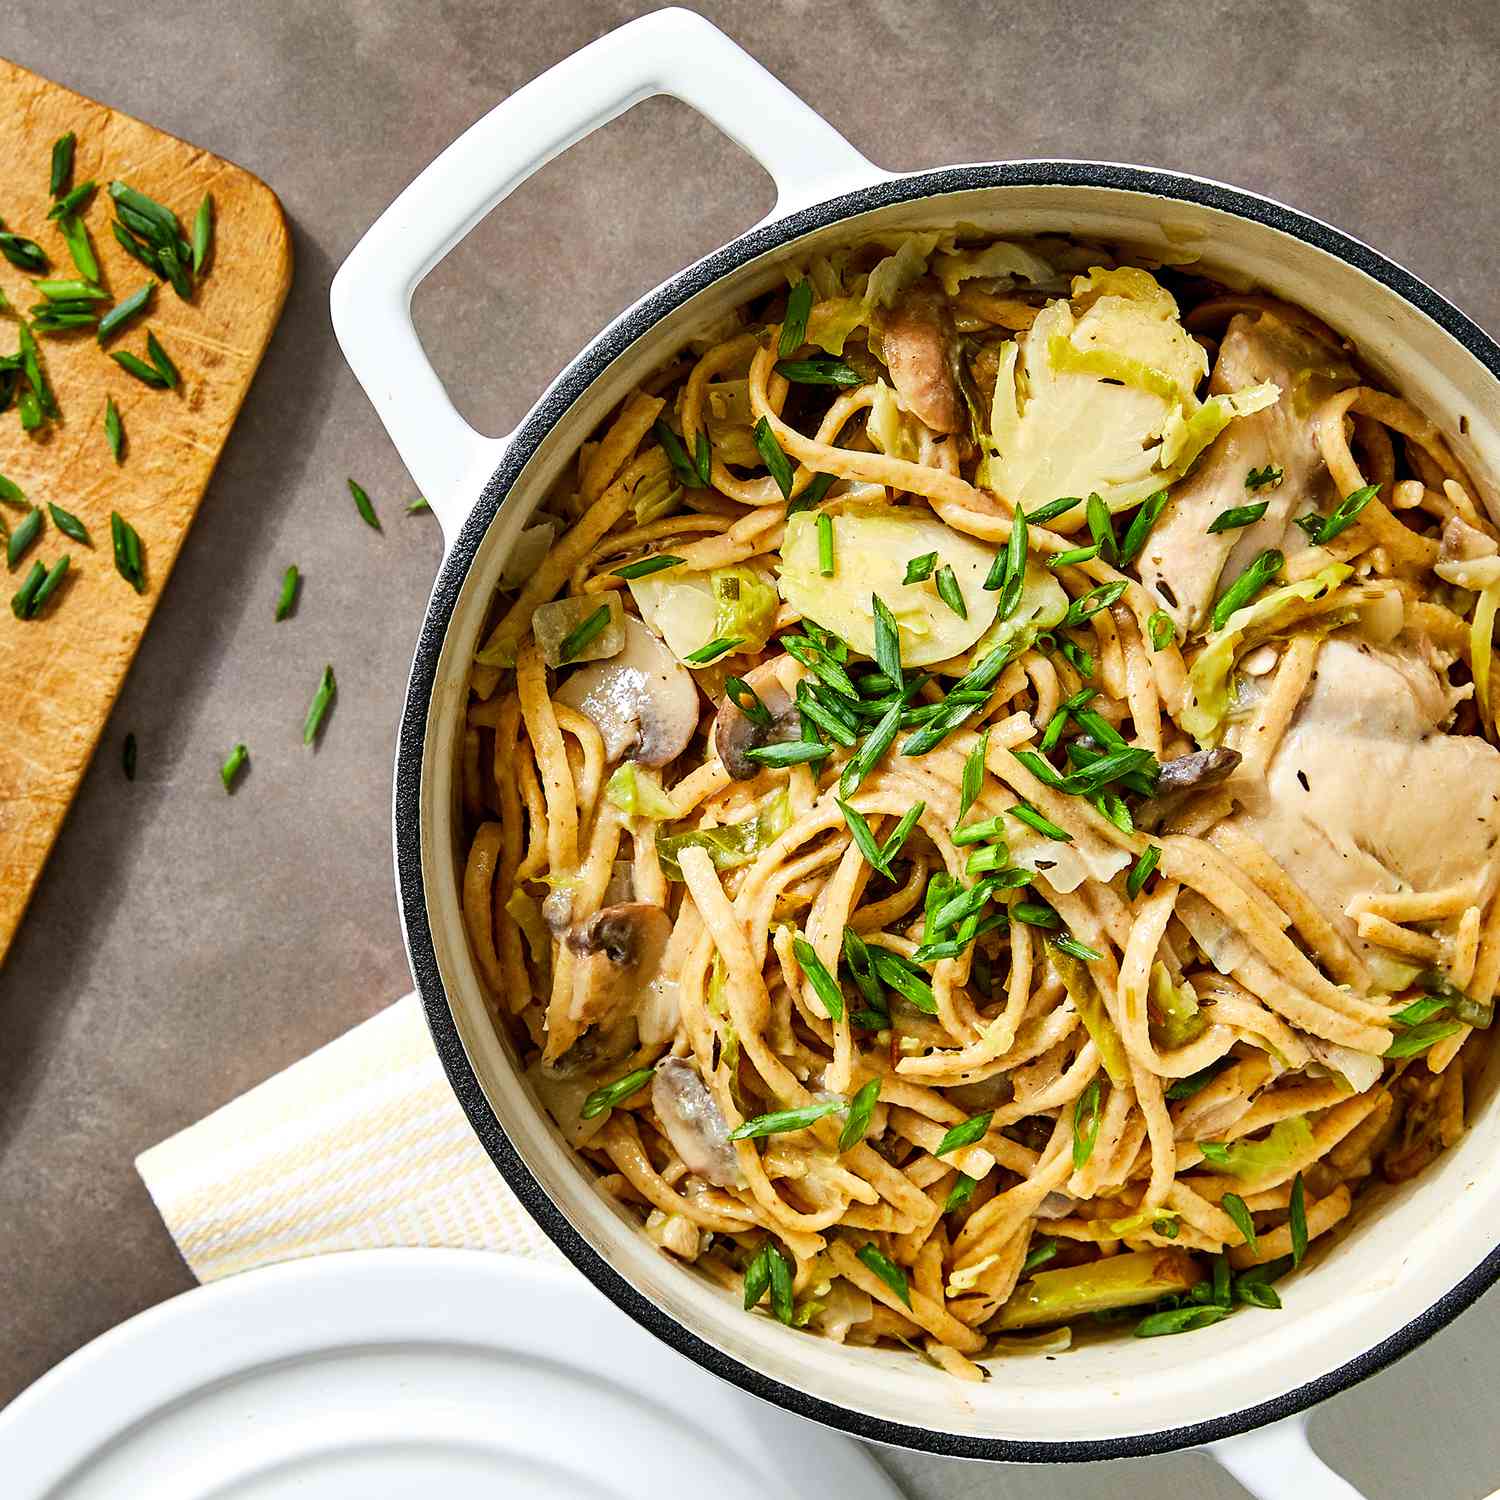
[(594, 1049), (643, 700), (1201, 768), (690, 1116), (917, 340), (735, 733), (619, 951)]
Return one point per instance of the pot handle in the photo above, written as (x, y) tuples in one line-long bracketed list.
[(1278, 1463), (668, 52)]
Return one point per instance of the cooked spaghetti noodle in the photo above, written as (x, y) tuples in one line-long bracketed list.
[(980, 808)]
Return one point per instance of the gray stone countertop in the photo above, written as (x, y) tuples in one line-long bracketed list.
[(184, 945)]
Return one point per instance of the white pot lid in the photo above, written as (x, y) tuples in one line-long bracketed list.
[(402, 1374)]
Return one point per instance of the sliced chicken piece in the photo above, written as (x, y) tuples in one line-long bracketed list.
[(1365, 793), (1185, 567), (917, 338)]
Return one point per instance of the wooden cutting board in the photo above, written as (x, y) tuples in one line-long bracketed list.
[(59, 674)]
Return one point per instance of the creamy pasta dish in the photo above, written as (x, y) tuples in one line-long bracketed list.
[(981, 801)]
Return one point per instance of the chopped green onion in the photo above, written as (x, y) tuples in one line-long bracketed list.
[(1101, 527), (1236, 1208), (986, 859), (146, 374), (703, 458), (973, 1129), (1025, 813), (776, 461), (1140, 871), (857, 1122), (758, 1275), (122, 312), (114, 432), (1419, 1038), (919, 569), (1086, 1117), (1069, 944), (1297, 1220), (80, 247), (127, 549), (1053, 509), (782, 1306), (1257, 1294), (1248, 585), (780, 1121), (973, 777), (894, 970), (362, 504), (615, 1093), (900, 833), (1345, 513), (62, 162), (1163, 631), (719, 646), (864, 839), (23, 254), (1420, 1010), (825, 986), (27, 530), (69, 524), (288, 596), (49, 585), (960, 1193), (1180, 1320), (1040, 1253), (582, 634), (1073, 555), (818, 372), (21, 601), (233, 766), (71, 289), (10, 493), (887, 1270), (1140, 526), (979, 833), (1035, 914), (646, 566), (671, 444), (1266, 478), (825, 718), (1237, 516), (825, 544), (877, 742), (887, 641), (419, 504), (747, 700), (1185, 1088), (1091, 603), (128, 756), (949, 591), (318, 709), (799, 303), (812, 496), (203, 233), (1077, 658), (788, 753)]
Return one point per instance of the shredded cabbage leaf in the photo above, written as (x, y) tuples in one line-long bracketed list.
[(731, 844), (1181, 1019), (887, 280), (690, 609), (1089, 1004), (1288, 1140), (635, 790), (1100, 395), (992, 263), (1208, 682)]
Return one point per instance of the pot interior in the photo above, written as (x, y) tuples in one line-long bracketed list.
[(1427, 1235)]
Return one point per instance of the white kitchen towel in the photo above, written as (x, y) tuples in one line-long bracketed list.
[(357, 1146)]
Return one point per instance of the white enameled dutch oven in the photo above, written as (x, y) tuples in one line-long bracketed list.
[(1240, 1386)]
